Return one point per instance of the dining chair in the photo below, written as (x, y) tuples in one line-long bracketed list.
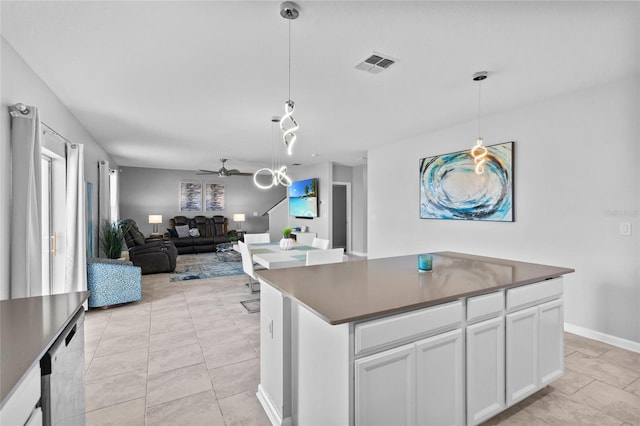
[(257, 238), (248, 267), (321, 257), (320, 243)]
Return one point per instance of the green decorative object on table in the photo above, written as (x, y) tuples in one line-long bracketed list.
[(286, 243)]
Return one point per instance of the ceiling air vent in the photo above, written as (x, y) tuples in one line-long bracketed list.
[(376, 63)]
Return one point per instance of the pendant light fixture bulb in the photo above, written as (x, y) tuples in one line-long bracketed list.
[(479, 152), (288, 134)]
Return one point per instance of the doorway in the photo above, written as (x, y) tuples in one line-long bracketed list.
[(341, 216), (53, 213)]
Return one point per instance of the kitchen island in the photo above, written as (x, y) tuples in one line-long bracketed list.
[(377, 342)]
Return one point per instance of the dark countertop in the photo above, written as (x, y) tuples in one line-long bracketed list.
[(28, 327), (359, 290)]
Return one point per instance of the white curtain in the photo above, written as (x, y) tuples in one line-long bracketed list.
[(26, 228), (114, 195), (76, 265), (104, 200)]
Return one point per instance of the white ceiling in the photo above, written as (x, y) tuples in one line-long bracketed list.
[(181, 84)]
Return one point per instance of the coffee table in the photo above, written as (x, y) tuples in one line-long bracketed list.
[(226, 253)]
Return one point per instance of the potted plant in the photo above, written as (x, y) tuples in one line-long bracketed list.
[(112, 238), (286, 243)]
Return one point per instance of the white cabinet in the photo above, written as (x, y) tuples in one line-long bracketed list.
[(522, 354), (551, 332), (534, 338), (275, 354), (485, 369), (385, 388), (440, 380), (20, 407), (421, 381)]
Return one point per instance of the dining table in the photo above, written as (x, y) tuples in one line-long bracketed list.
[(271, 256)]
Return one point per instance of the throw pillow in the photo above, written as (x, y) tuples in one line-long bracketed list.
[(182, 230), (172, 233), (194, 232)]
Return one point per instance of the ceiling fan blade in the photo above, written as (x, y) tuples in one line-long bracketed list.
[(206, 172), (236, 172)]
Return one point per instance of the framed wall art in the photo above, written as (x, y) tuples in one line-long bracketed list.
[(190, 196), (451, 189), (214, 194)]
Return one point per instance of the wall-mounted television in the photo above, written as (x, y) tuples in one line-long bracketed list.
[(303, 198)]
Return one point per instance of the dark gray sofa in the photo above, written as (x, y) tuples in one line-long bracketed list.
[(213, 231)]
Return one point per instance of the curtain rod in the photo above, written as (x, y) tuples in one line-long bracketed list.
[(23, 109), (48, 129)]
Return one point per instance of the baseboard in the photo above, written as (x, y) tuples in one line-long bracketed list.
[(357, 253), (270, 409), (619, 342)]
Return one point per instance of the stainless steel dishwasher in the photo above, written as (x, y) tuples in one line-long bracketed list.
[(62, 370)]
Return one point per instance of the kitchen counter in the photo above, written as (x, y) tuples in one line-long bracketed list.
[(360, 290), (28, 327), (377, 342)]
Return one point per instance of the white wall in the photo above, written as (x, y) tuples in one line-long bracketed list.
[(576, 178), (145, 191), (21, 84)]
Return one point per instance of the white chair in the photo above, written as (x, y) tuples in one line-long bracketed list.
[(320, 243), (321, 257), (257, 238), (248, 266)]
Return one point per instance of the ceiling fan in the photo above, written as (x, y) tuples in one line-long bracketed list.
[(224, 172)]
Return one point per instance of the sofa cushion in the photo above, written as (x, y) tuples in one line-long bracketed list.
[(138, 237), (194, 232), (182, 230), (182, 242), (172, 233)]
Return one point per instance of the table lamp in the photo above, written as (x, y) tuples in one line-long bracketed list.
[(238, 217), (155, 219)]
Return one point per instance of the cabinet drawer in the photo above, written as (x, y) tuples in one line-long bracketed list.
[(400, 328), (485, 306), (533, 294), (18, 407)]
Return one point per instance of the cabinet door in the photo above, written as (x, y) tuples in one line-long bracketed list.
[(440, 380), (551, 333), (522, 354), (385, 388), (274, 356), (485, 369)]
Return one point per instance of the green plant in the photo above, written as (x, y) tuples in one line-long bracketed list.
[(112, 238), (286, 232)]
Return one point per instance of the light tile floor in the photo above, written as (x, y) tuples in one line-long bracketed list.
[(187, 354)]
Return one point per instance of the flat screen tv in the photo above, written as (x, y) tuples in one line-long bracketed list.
[(303, 198)]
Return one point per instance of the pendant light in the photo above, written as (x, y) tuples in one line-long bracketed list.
[(278, 173), (479, 152), (289, 11)]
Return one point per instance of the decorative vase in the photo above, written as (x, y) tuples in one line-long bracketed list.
[(286, 243)]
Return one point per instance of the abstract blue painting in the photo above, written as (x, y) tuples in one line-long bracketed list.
[(451, 189)]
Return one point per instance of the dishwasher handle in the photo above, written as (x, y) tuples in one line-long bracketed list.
[(72, 333)]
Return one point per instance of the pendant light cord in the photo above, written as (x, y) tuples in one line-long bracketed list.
[(289, 59), (479, 105)]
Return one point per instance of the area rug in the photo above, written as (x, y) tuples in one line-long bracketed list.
[(207, 265)]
